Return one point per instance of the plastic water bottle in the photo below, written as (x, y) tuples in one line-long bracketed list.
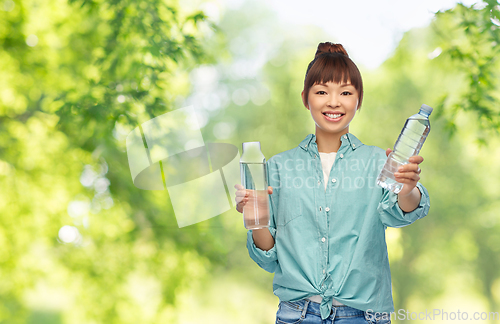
[(256, 213), (409, 143)]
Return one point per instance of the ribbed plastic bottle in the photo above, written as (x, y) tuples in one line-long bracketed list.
[(253, 171), (409, 143)]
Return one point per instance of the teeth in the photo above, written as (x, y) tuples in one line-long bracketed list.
[(334, 115)]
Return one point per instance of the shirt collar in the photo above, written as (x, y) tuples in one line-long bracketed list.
[(352, 141)]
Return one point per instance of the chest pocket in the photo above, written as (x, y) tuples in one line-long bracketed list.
[(288, 210)]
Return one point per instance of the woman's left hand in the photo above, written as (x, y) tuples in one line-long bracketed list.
[(408, 174)]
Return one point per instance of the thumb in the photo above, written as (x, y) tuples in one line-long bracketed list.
[(270, 190), (388, 151)]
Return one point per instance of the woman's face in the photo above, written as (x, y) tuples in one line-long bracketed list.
[(339, 101)]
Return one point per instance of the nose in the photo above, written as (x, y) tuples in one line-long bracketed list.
[(334, 101)]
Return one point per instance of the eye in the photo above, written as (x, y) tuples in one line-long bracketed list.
[(346, 93), (321, 92)]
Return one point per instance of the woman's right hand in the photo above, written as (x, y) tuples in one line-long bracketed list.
[(242, 195)]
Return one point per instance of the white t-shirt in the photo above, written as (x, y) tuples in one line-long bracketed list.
[(327, 160)]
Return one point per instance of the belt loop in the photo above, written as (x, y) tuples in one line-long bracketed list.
[(304, 311), (333, 312)]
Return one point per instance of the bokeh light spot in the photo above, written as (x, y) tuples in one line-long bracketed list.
[(78, 208), (223, 130), (69, 234), (88, 176), (435, 53), (32, 40), (101, 185), (8, 5), (241, 97)]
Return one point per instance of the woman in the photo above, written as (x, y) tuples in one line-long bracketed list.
[(326, 242)]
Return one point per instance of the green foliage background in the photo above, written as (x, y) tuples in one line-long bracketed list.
[(97, 69)]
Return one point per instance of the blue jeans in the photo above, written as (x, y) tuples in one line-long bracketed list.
[(307, 312)]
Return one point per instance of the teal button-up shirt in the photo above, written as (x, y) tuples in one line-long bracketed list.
[(332, 243)]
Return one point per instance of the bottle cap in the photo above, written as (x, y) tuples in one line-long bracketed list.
[(252, 153), (427, 109), (251, 145)]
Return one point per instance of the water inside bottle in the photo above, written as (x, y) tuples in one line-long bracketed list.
[(256, 210), (386, 177)]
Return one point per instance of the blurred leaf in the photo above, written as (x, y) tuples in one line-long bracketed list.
[(475, 52)]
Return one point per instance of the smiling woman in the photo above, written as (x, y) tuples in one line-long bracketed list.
[(326, 243), (333, 92)]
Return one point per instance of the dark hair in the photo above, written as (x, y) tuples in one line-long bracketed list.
[(332, 63)]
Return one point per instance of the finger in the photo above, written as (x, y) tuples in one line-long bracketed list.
[(407, 177), (240, 206), (242, 193), (240, 199), (239, 186), (416, 159), (242, 196), (411, 183), (409, 174), (410, 167), (388, 151), (270, 190)]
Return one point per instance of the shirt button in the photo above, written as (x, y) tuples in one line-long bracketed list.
[(323, 271), (341, 155), (323, 240), (327, 209), (320, 209), (319, 181), (345, 136), (306, 145), (334, 180), (353, 145)]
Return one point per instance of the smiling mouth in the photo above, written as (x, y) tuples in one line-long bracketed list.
[(333, 116)]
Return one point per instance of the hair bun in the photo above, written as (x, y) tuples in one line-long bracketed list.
[(328, 47)]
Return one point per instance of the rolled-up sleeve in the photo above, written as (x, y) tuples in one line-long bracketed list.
[(267, 260), (393, 216)]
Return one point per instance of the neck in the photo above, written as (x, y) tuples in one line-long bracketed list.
[(328, 142)]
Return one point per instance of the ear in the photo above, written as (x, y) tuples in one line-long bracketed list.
[(304, 101)]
